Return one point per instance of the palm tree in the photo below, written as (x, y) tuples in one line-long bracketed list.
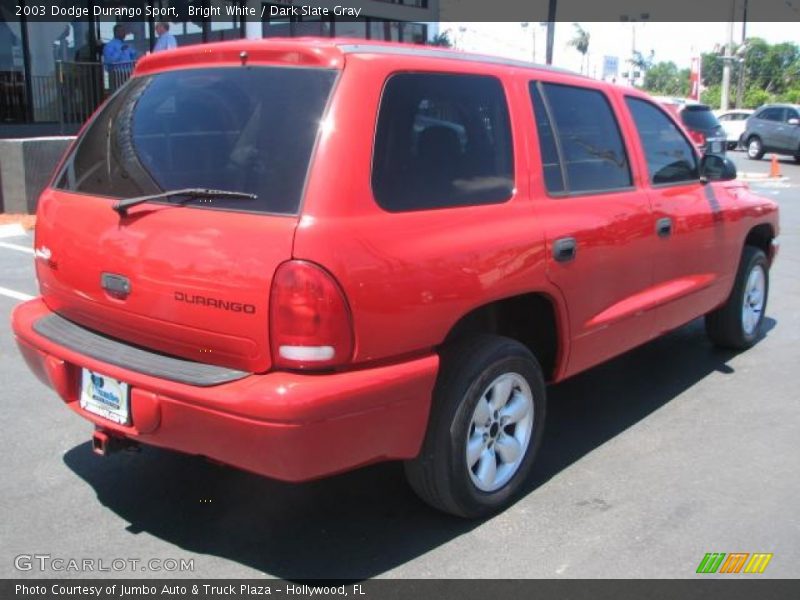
[(580, 42), (641, 63)]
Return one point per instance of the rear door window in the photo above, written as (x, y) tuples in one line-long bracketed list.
[(237, 129), (580, 124), (442, 140), (773, 113), (670, 156)]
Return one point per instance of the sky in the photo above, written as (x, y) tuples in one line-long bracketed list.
[(677, 42)]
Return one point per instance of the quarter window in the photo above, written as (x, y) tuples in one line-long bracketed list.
[(442, 140), (670, 157), (579, 122), (551, 165)]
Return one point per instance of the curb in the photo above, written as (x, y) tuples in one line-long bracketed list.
[(760, 177)]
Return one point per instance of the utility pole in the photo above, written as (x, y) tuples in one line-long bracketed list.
[(633, 53), (633, 20), (551, 30), (727, 61), (742, 60), (533, 34)]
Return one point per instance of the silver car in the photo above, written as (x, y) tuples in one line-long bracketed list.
[(773, 128)]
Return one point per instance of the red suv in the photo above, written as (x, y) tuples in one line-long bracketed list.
[(700, 122), (302, 256)]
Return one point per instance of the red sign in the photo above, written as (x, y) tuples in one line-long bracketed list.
[(694, 79)]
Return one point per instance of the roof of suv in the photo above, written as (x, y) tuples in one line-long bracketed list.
[(313, 51), (779, 105)]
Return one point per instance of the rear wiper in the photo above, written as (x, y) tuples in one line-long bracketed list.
[(189, 193)]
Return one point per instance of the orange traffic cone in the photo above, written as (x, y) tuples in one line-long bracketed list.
[(774, 168)]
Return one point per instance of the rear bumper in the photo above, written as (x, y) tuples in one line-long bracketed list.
[(289, 426)]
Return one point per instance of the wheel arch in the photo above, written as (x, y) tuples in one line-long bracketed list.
[(534, 319), (760, 236)]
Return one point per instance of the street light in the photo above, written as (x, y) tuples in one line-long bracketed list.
[(633, 20), (533, 26)]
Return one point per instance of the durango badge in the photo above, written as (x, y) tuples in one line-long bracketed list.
[(215, 303)]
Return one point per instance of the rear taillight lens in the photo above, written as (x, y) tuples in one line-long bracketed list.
[(310, 322), (697, 137)]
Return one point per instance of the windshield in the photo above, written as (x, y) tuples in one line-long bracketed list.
[(699, 117), (244, 129)]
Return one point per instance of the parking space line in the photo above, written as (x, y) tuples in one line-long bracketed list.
[(16, 247), (14, 294)]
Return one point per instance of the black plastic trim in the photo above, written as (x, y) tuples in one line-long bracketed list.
[(95, 345)]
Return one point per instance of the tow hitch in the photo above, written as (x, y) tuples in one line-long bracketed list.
[(104, 443)]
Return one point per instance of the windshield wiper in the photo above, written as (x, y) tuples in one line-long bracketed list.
[(190, 194)]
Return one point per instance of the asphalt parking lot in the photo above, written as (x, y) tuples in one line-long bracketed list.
[(649, 462)]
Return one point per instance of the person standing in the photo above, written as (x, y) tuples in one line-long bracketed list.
[(116, 53), (118, 58), (165, 41)]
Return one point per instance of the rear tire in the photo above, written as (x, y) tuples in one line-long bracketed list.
[(755, 149), (737, 324), (485, 427)]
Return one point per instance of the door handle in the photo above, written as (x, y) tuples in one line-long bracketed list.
[(664, 227), (565, 249)]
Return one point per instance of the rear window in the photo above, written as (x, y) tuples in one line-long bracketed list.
[(243, 129), (699, 117)]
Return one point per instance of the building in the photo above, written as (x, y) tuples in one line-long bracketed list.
[(51, 72)]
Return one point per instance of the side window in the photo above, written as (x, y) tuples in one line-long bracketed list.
[(771, 114), (442, 140), (792, 114), (587, 137), (725, 118), (670, 157)]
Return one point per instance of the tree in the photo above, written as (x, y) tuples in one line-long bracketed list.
[(641, 63), (712, 95), (441, 39), (771, 72), (580, 41), (666, 79)]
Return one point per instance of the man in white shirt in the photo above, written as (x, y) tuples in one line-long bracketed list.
[(165, 41)]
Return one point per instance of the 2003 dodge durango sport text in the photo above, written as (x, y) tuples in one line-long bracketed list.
[(421, 238)]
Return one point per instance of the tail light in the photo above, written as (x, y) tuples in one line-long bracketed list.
[(310, 322), (697, 137)]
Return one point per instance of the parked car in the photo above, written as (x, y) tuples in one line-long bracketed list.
[(278, 268), (733, 122), (705, 130), (774, 128)]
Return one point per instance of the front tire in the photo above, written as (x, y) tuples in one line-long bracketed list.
[(755, 149), (485, 428), (737, 324)]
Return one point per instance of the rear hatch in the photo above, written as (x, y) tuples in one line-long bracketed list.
[(186, 276), (700, 118)]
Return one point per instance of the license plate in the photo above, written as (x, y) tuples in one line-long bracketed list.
[(716, 147), (105, 396)]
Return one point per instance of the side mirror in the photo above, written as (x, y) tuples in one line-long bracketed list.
[(793, 121), (714, 167)]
